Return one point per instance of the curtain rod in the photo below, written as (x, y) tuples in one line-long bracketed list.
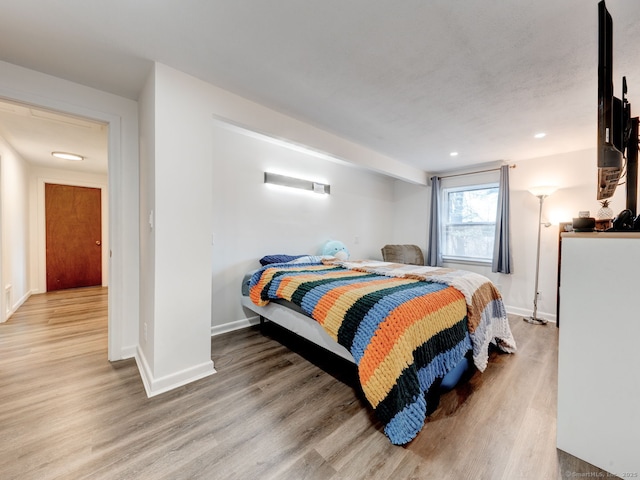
[(473, 173)]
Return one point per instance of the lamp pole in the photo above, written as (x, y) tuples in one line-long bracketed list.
[(534, 318), (541, 193)]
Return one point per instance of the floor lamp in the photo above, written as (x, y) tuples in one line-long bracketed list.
[(541, 193)]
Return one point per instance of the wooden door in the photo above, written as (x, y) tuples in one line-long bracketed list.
[(73, 236)]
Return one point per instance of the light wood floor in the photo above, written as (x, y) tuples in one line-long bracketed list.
[(276, 409)]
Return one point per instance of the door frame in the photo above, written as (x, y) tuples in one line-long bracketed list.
[(121, 116), (41, 242), (3, 311)]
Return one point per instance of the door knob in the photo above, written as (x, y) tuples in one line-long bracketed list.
[(98, 242)]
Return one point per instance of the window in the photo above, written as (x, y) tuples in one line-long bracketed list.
[(469, 222)]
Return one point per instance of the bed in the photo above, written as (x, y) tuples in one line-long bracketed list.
[(409, 329)]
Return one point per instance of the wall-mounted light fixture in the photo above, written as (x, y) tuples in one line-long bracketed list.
[(284, 181)]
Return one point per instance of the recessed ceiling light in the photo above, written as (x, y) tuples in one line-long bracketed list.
[(540, 135), (453, 154), (68, 156)]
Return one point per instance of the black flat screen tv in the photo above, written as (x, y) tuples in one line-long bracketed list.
[(610, 155)]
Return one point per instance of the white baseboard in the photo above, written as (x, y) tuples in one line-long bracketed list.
[(254, 320), (237, 325), (524, 312), (12, 308), (250, 321), (156, 386)]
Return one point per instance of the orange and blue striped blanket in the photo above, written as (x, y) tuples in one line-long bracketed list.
[(405, 334)]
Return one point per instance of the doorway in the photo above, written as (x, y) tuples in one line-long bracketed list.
[(119, 116), (31, 136), (73, 236)]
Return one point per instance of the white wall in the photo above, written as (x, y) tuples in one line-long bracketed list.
[(184, 163), (411, 214), (175, 275), (252, 219), (14, 215), (145, 350)]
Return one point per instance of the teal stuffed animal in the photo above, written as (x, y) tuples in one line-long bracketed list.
[(336, 249)]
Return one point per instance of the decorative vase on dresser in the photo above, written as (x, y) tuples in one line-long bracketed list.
[(605, 212)]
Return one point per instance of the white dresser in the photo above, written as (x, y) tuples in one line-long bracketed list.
[(599, 351)]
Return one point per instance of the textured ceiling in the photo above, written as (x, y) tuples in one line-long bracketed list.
[(412, 79)]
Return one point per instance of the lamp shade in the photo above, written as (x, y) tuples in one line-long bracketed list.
[(542, 191)]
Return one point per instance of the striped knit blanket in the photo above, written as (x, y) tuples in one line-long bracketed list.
[(488, 322), (404, 333)]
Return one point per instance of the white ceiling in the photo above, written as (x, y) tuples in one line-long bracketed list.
[(36, 133), (412, 79)]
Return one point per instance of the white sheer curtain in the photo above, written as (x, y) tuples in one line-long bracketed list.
[(434, 253), (502, 262)]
